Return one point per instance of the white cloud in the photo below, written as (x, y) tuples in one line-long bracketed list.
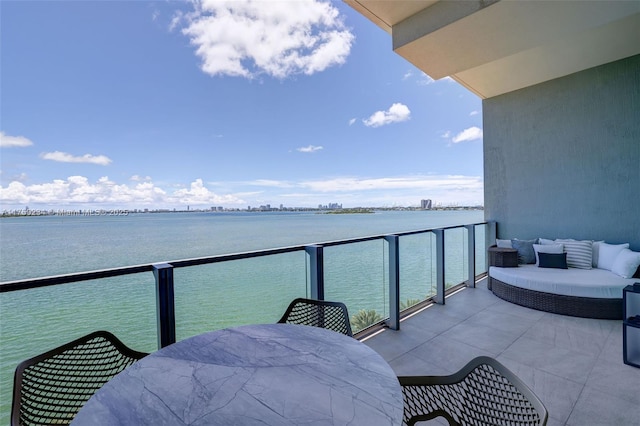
[(472, 113), (78, 190), (140, 192), (22, 177), (270, 183), (278, 38), (425, 80), (104, 192), (420, 182), (395, 114), (381, 191), (309, 149), (64, 157), (7, 141), (197, 193), (470, 134), (138, 178), (353, 120), (400, 190)]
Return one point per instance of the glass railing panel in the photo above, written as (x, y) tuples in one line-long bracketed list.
[(455, 256), (37, 320), (481, 249), (417, 268), (238, 292), (355, 275)]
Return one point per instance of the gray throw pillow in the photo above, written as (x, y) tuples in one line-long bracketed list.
[(526, 254)]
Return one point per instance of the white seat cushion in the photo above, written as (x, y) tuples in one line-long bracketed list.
[(597, 283)]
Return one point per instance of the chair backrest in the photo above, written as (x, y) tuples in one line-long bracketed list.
[(52, 387), (318, 313), (482, 392)]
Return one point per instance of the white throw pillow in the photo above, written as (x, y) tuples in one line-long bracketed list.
[(596, 253), (579, 253), (504, 243), (547, 248), (607, 254), (626, 263), (544, 241)]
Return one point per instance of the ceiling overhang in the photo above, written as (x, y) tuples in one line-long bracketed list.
[(497, 46)]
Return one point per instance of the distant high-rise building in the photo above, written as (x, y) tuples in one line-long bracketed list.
[(426, 204)]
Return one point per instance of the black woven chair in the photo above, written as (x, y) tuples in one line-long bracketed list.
[(318, 313), (483, 392), (52, 387)]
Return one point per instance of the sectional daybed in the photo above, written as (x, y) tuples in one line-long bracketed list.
[(569, 277)]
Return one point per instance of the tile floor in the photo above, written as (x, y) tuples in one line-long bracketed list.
[(574, 365)]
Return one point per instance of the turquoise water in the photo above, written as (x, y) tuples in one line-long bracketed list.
[(210, 296)]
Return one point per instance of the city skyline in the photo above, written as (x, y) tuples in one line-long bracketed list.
[(133, 104), (216, 209)]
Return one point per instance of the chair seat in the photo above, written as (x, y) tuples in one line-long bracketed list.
[(483, 392)]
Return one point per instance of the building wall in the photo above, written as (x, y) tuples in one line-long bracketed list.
[(562, 158)]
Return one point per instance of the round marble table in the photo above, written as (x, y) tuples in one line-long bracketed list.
[(271, 374)]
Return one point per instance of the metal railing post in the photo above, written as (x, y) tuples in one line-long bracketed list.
[(439, 233), (393, 242), (316, 270), (471, 250), (165, 304), (491, 235)]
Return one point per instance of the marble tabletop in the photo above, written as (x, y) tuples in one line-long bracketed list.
[(271, 374)]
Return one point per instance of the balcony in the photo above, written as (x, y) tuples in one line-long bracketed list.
[(573, 364)]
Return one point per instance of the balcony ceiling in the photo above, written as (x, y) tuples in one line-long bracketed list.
[(497, 46)]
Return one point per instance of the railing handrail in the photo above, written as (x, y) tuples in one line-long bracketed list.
[(30, 283)]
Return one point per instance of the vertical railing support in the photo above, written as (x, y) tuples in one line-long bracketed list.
[(316, 270), (440, 278), (471, 250), (165, 304), (393, 242), (490, 239)]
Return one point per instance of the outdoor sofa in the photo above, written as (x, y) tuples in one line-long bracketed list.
[(564, 276)]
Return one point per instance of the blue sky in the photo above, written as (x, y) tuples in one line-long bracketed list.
[(141, 104)]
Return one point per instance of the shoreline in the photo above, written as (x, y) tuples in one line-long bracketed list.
[(124, 212)]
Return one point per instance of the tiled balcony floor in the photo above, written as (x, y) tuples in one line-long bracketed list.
[(574, 365)]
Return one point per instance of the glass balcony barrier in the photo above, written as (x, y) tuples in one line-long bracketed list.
[(149, 306)]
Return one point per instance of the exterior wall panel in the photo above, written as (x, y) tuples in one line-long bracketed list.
[(562, 158)]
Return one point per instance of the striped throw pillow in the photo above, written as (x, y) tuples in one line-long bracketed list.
[(579, 253)]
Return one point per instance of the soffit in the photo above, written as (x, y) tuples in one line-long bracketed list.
[(385, 13), (494, 47)]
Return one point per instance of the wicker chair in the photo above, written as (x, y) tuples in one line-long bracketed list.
[(50, 388), (483, 392), (318, 313)]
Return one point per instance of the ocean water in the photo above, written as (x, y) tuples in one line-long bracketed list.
[(209, 296)]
